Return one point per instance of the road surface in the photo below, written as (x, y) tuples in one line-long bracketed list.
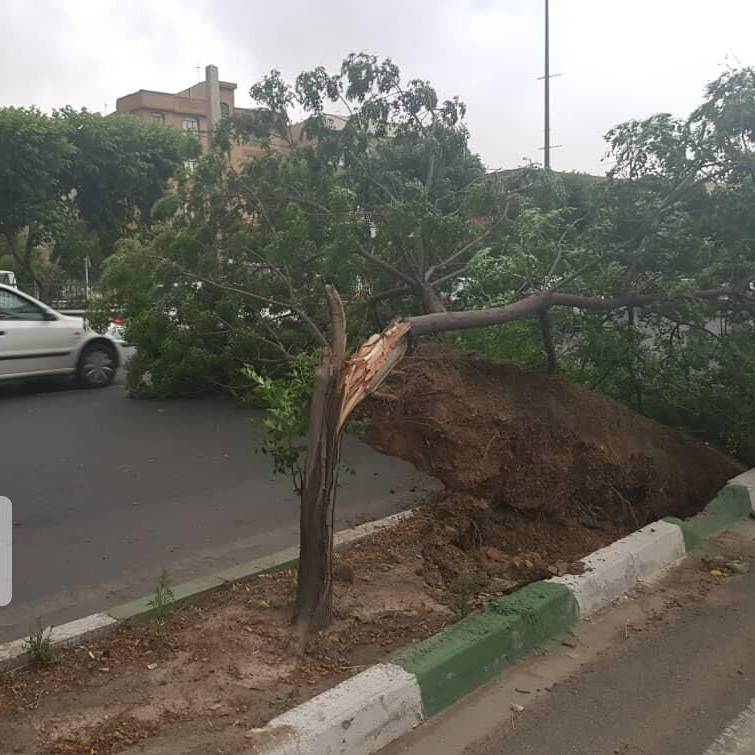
[(108, 490), (665, 673)]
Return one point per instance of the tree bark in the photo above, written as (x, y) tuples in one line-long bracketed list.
[(339, 387), (314, 600)]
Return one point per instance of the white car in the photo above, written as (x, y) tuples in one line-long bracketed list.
[(8, 277), (36, 340)]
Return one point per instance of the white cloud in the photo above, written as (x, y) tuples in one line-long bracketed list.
[(619, 59)]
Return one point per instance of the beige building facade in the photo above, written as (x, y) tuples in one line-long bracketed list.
[(196, 110)]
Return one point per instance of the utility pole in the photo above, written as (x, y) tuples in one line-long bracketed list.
[(547, 79)]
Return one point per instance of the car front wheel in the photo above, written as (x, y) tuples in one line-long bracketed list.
[(97, 366)]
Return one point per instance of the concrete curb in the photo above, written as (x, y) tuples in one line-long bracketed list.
[(14, 653), (362, 714), (731, 505), (614, 570), (365, 713), (461, 657), (746, 480)]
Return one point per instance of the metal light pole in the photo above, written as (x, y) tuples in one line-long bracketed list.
[(547, 78)]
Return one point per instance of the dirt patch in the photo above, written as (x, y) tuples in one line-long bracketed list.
[(539, 473), (223, 662), (533, 443)]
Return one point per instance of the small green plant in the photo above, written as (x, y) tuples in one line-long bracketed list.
[(39, 645), (162, 598), (286, 403)]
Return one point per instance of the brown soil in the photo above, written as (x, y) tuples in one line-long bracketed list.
[(539, 474), (534, 443), (222, 664)]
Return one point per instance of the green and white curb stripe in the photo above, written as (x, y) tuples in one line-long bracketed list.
[(355, 717), (14, 653), (460, 658), (730, 506), (365, 713)]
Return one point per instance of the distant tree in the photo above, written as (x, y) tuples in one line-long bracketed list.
[(121, 167), (34, 157), (72, 183)]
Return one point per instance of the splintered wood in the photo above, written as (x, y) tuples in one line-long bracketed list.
[(371, 365)]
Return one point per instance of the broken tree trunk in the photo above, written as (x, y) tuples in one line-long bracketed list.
[(314, 600), (339, 387)]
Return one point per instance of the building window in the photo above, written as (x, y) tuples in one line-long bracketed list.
[(158, 117), (225, 110), (191, 124), (190, 165)]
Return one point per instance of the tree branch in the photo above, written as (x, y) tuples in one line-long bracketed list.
[(311, 326), (390, 293), (532, 306), (469, 245), (387, 267)]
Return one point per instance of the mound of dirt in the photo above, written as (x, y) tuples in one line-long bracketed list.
[(532, 443)]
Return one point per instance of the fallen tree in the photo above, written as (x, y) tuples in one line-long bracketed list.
[(341, 384), (390, 206)]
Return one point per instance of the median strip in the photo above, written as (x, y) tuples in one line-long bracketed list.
[(364, 713), (460, 658)]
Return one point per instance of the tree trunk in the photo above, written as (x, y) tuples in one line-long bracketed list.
[(314, 600), (315, 594), (339, 387)]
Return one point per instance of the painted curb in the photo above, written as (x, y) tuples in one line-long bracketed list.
[(461, 657), (746, 480), (731, 505), (362, 714), (616, 569), (14, 653)]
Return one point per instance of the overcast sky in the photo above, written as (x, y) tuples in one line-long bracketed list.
[(620, 59)]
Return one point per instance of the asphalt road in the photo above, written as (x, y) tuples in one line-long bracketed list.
[(662, 674), (108, 490)]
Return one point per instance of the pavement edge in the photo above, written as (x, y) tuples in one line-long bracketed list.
[(463, 656)]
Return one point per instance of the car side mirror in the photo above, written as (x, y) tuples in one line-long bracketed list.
[(48, 316)]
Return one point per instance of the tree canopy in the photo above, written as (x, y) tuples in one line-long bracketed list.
[(73, 183), (637, 283)]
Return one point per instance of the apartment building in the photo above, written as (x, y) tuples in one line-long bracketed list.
[(200, 108), (197, 110)]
